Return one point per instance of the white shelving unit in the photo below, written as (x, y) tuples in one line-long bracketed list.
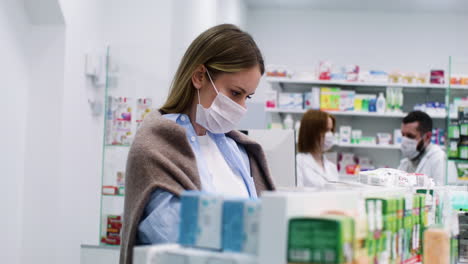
[(349, 113), (362, 84), (369, 122), (369, 146)]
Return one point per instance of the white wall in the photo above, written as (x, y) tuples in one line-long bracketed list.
[(373, 40), (300, 38), (192, 17), (232, 11), (14, 30), (139, 37), (41, 199), (32, 63)]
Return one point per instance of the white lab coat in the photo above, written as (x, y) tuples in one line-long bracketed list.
[(311, 174), (432, 164)]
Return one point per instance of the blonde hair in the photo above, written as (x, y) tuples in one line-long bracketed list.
[(221, 49)]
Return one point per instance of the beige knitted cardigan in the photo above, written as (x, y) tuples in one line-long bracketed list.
[(162, 158)]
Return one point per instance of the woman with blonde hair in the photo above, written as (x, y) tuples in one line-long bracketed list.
[(190, 143), (315, 138)]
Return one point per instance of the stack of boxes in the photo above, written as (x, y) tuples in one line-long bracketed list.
[(458, 141), (458, 135), (323, 98), (404, 221), (114, 226), (118, 188), (395, 229), (211, 222), (390, 228)]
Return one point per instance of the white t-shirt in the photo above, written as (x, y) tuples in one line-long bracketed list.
[(225, 181), (311, 174)]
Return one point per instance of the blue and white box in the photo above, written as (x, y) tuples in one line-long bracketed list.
[(200, 220), (290, 101), (241, 220)]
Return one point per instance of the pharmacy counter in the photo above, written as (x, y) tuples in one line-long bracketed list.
[(91, 254)]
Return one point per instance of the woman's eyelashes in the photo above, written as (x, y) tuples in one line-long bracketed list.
[(237, 94)]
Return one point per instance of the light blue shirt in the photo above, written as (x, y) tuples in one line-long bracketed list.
[(161, 217)]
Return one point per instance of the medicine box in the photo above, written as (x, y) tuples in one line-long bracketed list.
[(384, 138), (345, 134), (200, 220), (241, 226), (330, 99), (326, 239), (347, 100), (290, 101), (271, 99)]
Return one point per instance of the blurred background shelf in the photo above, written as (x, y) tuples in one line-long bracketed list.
[(362, 84)]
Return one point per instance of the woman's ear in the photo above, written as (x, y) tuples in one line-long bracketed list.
[(198, 76)]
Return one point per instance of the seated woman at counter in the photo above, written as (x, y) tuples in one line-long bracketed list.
[(315, 138)]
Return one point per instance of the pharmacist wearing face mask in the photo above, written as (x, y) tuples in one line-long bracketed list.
[(190, 143), (420, 156), (315, 138)]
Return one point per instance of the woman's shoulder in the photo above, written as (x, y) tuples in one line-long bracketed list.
[(241, 138), (303, 156), (158, 132), (250, 145)]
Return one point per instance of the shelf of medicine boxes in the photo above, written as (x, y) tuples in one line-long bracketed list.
[(369, 146), (379, 146), (350, 113), (458, 160), (363, 84), (113, 195)]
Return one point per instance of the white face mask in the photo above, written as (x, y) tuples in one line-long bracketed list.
[(222, 116), (409, 148), (328, 141)]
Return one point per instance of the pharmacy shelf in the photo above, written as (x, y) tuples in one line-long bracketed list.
[(459, 160), (113, 195), (362, 84), (338, 113), (368, 146), (173, 253), (349, 113), (378, 146)]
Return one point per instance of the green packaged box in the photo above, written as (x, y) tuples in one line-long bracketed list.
[(400, 225), (453, 149), (462, 170), (325, 239), (454, 130), (408, 227), (464, 128), (423, 220), (382, 243), (463, 150), (393, 229), (454, 250), (417, 225)]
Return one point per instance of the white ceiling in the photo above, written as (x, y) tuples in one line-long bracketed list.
[(455, 6)]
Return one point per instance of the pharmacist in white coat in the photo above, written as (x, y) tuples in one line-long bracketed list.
[(420, 156), (315, 138)]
